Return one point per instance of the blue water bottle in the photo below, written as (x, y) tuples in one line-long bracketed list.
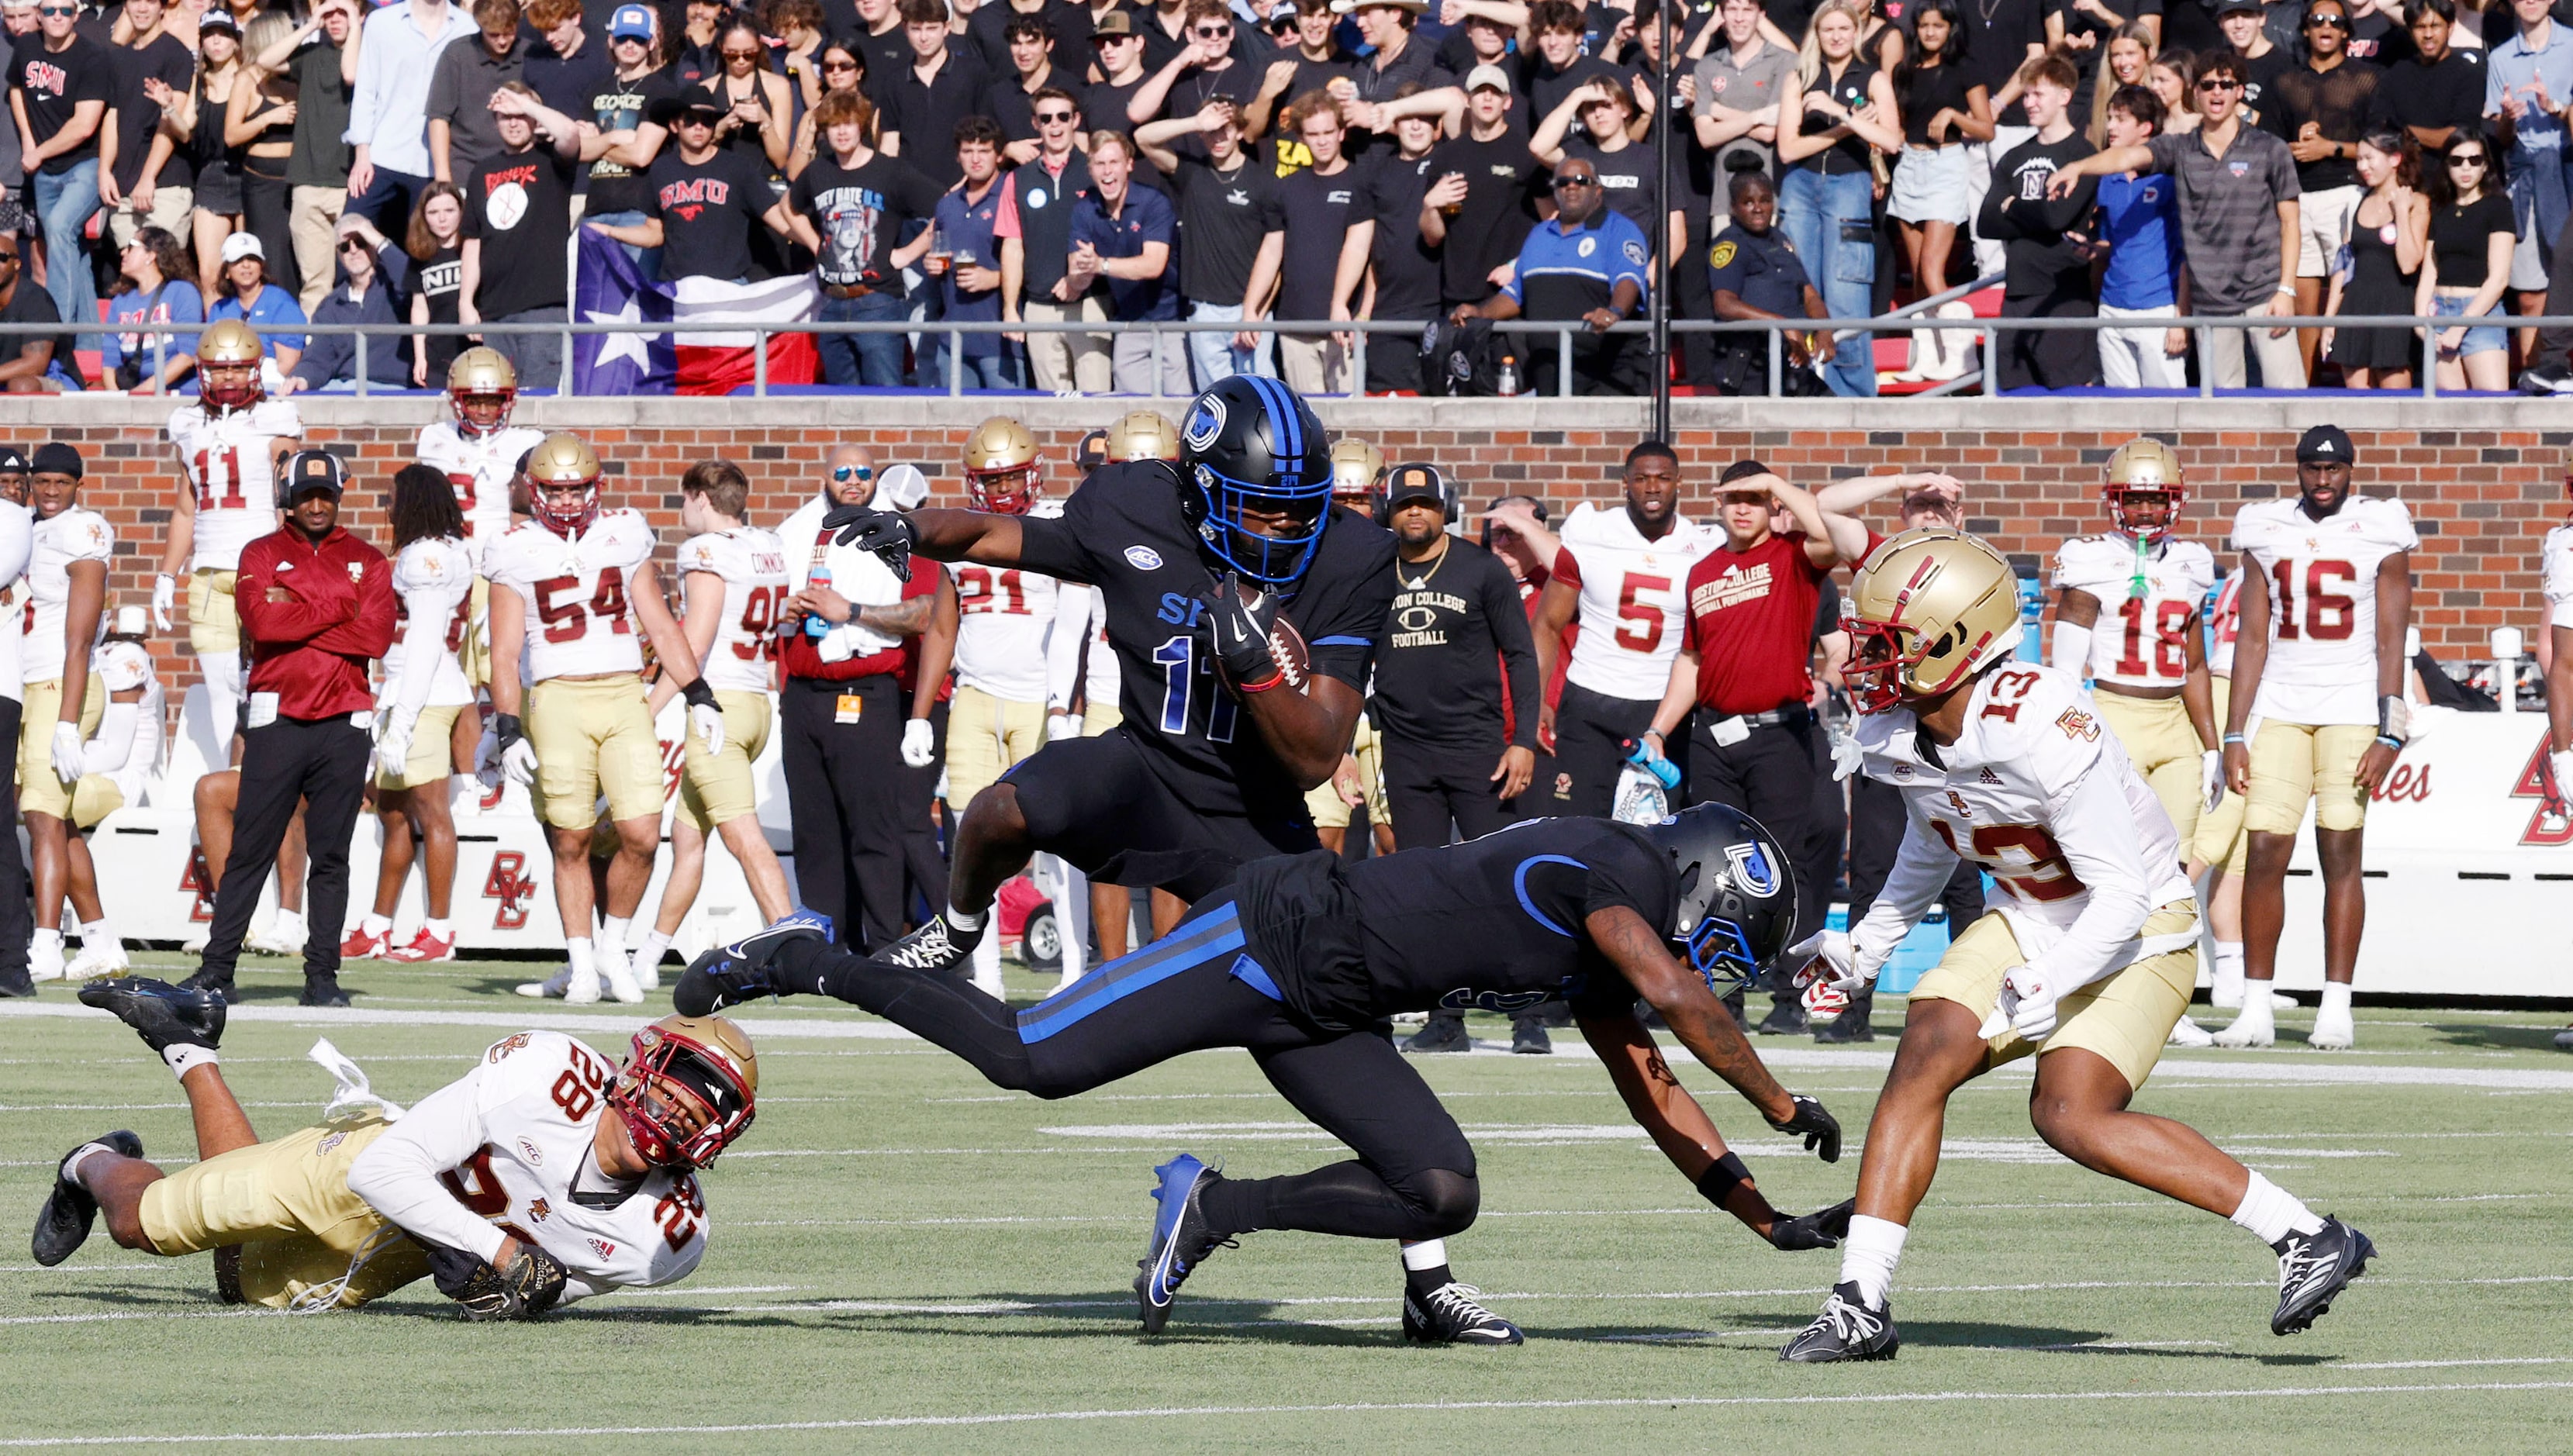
[(814, 626)]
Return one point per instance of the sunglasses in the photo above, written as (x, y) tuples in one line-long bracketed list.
[(846, 474), (1051, 118), (2327, 22), (2476, 160), (699, 118), (2219, 82), (741, 55), (1214, 32), (1566, 184), (58, 10), (346, 245), (9, 258), (839, 65)]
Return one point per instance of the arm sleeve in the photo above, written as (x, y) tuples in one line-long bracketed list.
[(113, 744), (397, 1173), (1519, 646), (1064, 643), (2096, 830), (1056, 545), (1920, 870), (292, 620), (1994, 221), (1342, 635)]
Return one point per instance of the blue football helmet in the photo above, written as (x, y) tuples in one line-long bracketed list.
[(1249, 443), (1737, 893)]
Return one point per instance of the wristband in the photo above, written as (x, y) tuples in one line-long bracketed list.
[(697, 695), (1272, 680), (2286, 291), (2391, 741), (2234, 738), (505, 729), (1720, 1180)]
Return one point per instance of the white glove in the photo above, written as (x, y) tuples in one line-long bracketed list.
[(487, 758), (392, 743), (2562, 763), (1062, 726), (2210, 776), (518, 762), (919, 744), (1829, 976), (707, 719), (2027, 1005), (1846, 754), (164, 596), (66, 752)]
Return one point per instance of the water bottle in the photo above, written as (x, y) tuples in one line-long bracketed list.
[(1508, 381), (814, 626)]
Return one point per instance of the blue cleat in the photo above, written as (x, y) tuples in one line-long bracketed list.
[(733, 974), (1181, 1238)]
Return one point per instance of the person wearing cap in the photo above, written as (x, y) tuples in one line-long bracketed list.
[(242, 292), (60, 84), (13, 490), (2245, 24), (631, 111), (706, 201), (1584, 265), (1484, 196), (398, 53), (2318, 661), (17, 545), (316, 609), (66, 594)]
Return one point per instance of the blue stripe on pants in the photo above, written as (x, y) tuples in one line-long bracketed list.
[(1217, 936)]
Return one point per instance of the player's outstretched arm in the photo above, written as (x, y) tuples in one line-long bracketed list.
[(1677, 1124), (939, 534)]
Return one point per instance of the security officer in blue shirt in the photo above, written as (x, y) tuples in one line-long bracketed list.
[(1587, 264), (1755, 273)]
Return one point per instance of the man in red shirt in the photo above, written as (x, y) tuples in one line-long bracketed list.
[(316, 606)]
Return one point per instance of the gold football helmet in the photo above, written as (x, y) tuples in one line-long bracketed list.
[(688, 1090), (2143, 489), (1003, 473), (228, 357), (481, 387), (1931, 608), (1144, 436), (1357, 465), (564, 461)]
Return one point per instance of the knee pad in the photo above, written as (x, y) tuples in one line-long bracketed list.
[(1445, 1200)]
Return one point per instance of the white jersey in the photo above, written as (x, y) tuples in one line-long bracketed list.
[(432, 583), (507, 1149), (2150, 597), (231, 460), (479, 468), (2322, 668), (2224, 626), (2557, 558), (122, 667), (752, 563), (1635, 608), (73, 536), (17, 546), (2039, 793), (580, 621), (1005, 618)]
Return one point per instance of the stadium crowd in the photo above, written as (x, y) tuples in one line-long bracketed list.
[(1444, 162)]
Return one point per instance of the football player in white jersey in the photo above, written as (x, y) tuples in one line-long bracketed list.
[(64, 700), (2327, 599), (544, 1175), (2086, 962), (421, 695), (732, 580), (125, 751), (228, 441), (570, 587), (1624, 574), (2216, 856), (479, 451)]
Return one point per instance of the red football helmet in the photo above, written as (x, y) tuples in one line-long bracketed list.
[(2143, 489), (562, 462), (687, 1090)]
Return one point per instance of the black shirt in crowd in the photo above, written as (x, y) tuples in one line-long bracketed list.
[(518, 204), (886, 56), (2259, 77), (1502, 185), (55, 83), (1996, 42), (2461, 238), (2031, 226), (709, 212), (622, 106), (2337, 101), (1406, 268), (1318, 212), (32, 304), (137, 117), (862, 213), (1625, 178), (1458, 628), (1543, 88), (1016, 109), (2447, 93), (925, 113), (1224, 216)]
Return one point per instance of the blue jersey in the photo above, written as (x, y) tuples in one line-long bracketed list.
[(1566, 275), (2139, 217)]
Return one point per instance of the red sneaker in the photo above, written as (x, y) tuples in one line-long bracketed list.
[(424, 946), (360, 945)]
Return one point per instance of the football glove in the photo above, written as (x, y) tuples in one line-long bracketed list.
[(1822, 1228), (517, 756), (2211, 778), (1829, 976), (703, 715), (1241, 634), (393, 742), (919, 743), (1062, 726), (66, 752), (528, 1286), (164, 596), (1820, 1129), (891, 538), (2026, 1004), (1847, 756)]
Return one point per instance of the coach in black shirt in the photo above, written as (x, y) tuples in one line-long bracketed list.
[(2436, 89), (1229, 217), (1496, 188)]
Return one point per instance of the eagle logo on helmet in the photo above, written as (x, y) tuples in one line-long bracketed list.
[(560, 461), (1003, 473), (1931, 608), (2143, 489), (482, 390), (229, 354)]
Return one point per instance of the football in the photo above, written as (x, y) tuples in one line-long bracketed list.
[(1285, 644)]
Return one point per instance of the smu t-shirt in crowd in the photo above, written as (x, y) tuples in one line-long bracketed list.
[(1502, 182), (1223, 215), (519, 204), (136, 117), (862, 213), (55, 83), (708, 211), (1318, 212), (622, 105)]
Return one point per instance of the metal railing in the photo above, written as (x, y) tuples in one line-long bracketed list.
[(1990, 333)]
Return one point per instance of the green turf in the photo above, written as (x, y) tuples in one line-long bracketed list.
[(896, 1240)]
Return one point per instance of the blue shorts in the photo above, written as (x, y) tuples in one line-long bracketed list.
[(2481, 340)]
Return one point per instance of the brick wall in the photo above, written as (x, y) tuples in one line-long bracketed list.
[(2485, 479)]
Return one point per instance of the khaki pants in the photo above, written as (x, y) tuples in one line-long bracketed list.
[(2282, 366), (312, 220), (1068, 362), (1313, 363), (170, 209)]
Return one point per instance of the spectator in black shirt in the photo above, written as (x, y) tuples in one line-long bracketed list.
[(60, 84), (691, 52), (1395, 61), (624, 136), (1999, 38), (1321, 264), (851, 207), (517, 223), (1031, 69), (881, 37), (563, 64), (31, 364), (1315, 61), (460, 125), (436, 242), (1401, 263), (368, 290), (1494, 187), (146, 179), (323, 64), (1204, 68), (925, 100), (2264, 60), (1623, 165), (2049, 273), (843, 67), (1229, 218), (1118, 49), (759, 107), (2436, 89), (1560, 68), (705, 202), (2320, 110), (990, 27)]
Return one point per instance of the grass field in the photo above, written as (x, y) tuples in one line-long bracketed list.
[(904, 1257)]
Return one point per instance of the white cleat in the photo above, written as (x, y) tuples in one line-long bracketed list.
[(2187, 1033), (107, 958), (2255, 1028), (2333, 1032), (566, 986), (619, 975), (649, 978), (45, 961), (284, 936)]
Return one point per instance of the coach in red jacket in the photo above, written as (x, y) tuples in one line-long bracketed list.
[(317, 605)]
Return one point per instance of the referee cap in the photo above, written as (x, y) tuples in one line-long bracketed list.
[(310, 470)]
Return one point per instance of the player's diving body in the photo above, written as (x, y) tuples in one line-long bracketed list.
[(545, 1174), (2087, 960), (1298, 957), (1209, 768)]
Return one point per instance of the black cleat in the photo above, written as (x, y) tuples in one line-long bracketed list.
[(62, 1225), (1785, 1019), (164, 1016), (218, 987), (1822, 1228), (1846, 1330), (2313, 1269), (1444, 1033), (937, 946), (1180, 1239), (733, 974), (1528, 1037), (1449, 1315), (1851, 1025), (19, 984), (322, 991)]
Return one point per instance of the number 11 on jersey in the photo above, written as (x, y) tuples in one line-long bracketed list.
[(1181, 668)]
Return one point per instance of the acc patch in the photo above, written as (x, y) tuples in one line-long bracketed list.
[(2079, 724), (1634, 252), (1722, 254), (532, 1152), (1143, 558), (509, 1044)]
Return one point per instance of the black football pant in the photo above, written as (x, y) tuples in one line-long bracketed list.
[(1769, 775), (847, 782), (1192, 989), (17, 896), (1591, 731), (1429, 787), (1875, 835), (1097, 804), (319, 763)]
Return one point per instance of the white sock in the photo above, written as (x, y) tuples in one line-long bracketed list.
[(1071, 930), (2272, 1213), (444, 930), (289, 924), (94, 935), (578, 953), (222, 672), (1868, 1256), (376, 925), (612, 929), (2336, 1000), (2228, 972), (79, 1158), (655, 945), (1428, 1253), (2256, 1009), (987, 962), (962, 921), (53, 938), (181, 1057)]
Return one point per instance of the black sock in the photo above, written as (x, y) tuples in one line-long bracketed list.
[(1421, 1281)]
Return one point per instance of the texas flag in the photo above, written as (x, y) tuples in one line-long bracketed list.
[(710, 351)]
